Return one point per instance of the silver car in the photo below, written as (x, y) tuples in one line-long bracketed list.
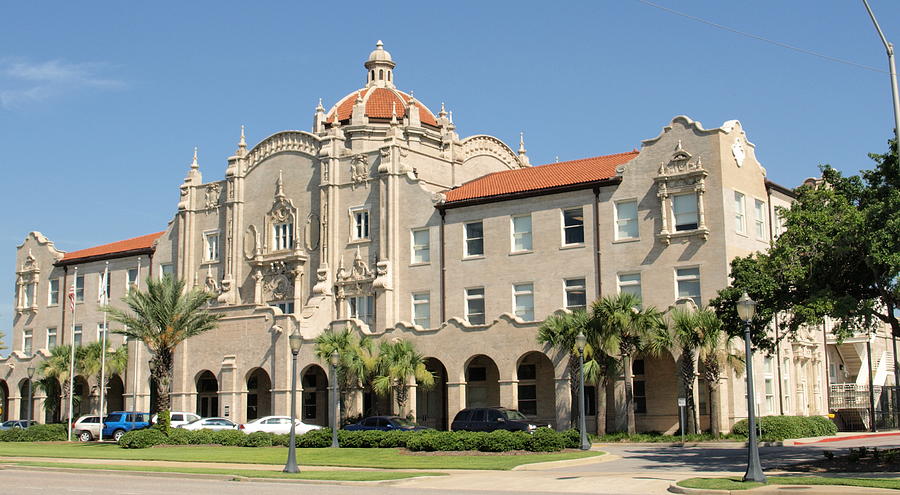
[(87, 428), (210, 424)]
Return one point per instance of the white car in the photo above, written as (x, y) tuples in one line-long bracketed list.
[(87, 428), (210, 424), (276, 424), (178, 418)]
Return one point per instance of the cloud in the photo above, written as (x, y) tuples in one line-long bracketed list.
[(23, 82)]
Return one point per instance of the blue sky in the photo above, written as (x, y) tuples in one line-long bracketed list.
[(102, 103)]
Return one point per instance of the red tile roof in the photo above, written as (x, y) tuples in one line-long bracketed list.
[(548, 176), (142, 242), (379, 105)]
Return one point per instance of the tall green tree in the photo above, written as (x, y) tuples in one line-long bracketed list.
[(358, 360), (54, 378), (716, 359), (622, 326), (162, 317), (398, 362)]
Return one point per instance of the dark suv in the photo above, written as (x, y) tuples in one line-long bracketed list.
[(493, 418)]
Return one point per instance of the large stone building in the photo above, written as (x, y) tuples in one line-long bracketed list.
[(384, 219)]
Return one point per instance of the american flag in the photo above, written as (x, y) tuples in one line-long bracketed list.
[(72, 297)]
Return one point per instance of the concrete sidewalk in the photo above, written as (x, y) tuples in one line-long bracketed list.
[(843, 436)]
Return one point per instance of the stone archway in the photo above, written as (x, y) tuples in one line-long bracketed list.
[(81, 397), (432, 403), (4, 400), (314, 399), (536, 387), (259, 394), (115, 394), (53, 401), (207, 394), (482, 382), (26, 390)]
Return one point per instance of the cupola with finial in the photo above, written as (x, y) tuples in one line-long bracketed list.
[(380, 67)]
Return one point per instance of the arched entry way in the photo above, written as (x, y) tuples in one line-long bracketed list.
[(259, 394), (81, 397), (53, 400), (26, 390), (432, 403), (115, 394), (207, 394), (314, 403), (482, 382), (536, 387), (4, 400)]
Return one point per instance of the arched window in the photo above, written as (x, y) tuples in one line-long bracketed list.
[(389, 75), (380, 74)]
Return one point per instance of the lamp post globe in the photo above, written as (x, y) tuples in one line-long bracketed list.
[(335, 359), (295, 341), (580, 343), (746, 309)]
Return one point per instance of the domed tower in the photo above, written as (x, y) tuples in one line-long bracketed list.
[(380, 67)]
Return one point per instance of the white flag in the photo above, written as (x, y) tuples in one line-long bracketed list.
[(102, 294)]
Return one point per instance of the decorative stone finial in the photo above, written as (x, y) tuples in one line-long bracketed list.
[(319, 107), (522, 143), (242, 144), (194, 164), (279, 186), (443, 112)]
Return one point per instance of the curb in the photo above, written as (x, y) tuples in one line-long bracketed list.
[(851, 437), (731, 445), (673, 488), (541, 466)]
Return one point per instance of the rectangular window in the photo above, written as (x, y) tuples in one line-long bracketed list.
[(475, 305), (573, 226), (521, 233), (760, 221), (51, 338), (640, 396), (211, 242), (770, 395), (76, 335), (474, 239), (131, 280), (362, 308), (167, 269), (523, 301), (27, 341), (360, 223), (590, 400), (688, 281), (421, 246), (79, 289), (285, 307), (626, 220), (767, 364), (684, 207), (284, 236), (53, 298), (101, 331), (576, 294), (421, 305), (29, 294), (740, 217), (630, 283), (786, 385)]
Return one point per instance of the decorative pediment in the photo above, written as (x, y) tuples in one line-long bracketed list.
[(286, 141), (283, 211), (680, 162), (354, 280)]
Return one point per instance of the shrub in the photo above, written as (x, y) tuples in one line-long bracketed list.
[(202, 437), (229, 438), (546, 440), (44, 433), (572, 438), (257, 439), (12, 435), (394, 439), (504, 441), (164, 421), (314, 439), (178, 436), (281, 440), (775, 428), (141, 439)]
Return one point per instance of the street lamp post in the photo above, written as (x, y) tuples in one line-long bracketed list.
[(746, 309), (295, 342), (30, 400), (335, 405), (580, 341)]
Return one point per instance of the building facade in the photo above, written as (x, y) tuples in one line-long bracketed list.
[(385, 220)]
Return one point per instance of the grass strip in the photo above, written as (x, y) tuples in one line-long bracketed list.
[(342, 475), (735, 483), (344, 457)]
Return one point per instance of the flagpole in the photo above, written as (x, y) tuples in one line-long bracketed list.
[(134, 379), (72, 353), (104, 299)]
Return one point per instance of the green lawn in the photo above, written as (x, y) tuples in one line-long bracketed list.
[(369, 458), (737, 484), (342, 475)]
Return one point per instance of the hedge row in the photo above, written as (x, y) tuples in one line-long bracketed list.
[(542, 440), (35, 433), (775, 428)]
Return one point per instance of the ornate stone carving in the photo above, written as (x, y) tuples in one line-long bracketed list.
[(359, 168), (322, 286), (282, 212), (311, 232), (384, 279), (213, 196), (679, 175), (295, 141), (355, 280), (737, 150), (252, 243), (226, 292), (489, 145)]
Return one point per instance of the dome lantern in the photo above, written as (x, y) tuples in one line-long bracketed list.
[(380, 67)]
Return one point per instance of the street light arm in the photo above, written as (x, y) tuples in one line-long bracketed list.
[(888, 46)]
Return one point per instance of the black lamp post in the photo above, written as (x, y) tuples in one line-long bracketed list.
[(295, 342), (335, 406), (30, 371), (580, 341), (746, 309)]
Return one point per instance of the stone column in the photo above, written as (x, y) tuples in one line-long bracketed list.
[(509, 393), (563, 404), (456, 398)]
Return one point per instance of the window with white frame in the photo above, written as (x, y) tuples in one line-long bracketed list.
[(421, 308), (639, 391), (131, 279), (684, 208), (51, 338), (630, 283), (740, 215), (521, 233), (284, 236), (474, 232), (778, 226), (27, 338), (786, 385), (760, 219), (286, 307), (211, 244), (166, 269), (576, 294), (421, 246), (573, 226), (769, 384), (76, 335), (627, 220), (523, 301), (526, 374), (53, 296), (79, 288), (688, 283), (475, 305), (30, 289), (102, 332), (362, 308), (360, 218)]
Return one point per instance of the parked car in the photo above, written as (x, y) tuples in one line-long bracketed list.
[(16, 423), (118, 423), (493, 418), (178, 418), (87, 428), (385, 423), (276, 424), (210, 424)]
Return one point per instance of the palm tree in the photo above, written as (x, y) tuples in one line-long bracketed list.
[(622, 325), (716, 356), (90, 364), (162, 317), (397, 362), (357, 359), (54, 373)]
